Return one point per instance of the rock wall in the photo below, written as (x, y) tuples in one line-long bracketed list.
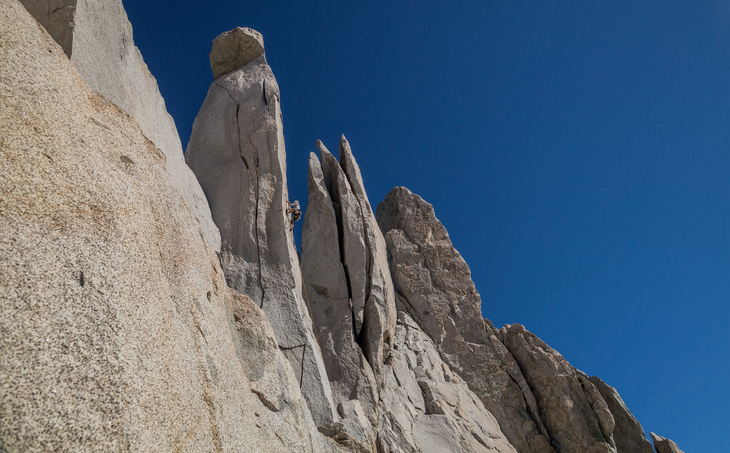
[(118, 330), (97, 36), (237, 152)]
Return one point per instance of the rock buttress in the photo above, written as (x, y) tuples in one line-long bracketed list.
[(119, 333), (236, 150)]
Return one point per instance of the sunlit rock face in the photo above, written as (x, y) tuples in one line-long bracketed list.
[(237, 152), (119, 332), (97, 37)]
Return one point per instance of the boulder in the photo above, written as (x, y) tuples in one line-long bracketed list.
[(327, 290), (235, 49), (574, 412), (97, 37), (628, 434), (379, 313), (237, 152), (434, 287), (119, 332), (663, 445)]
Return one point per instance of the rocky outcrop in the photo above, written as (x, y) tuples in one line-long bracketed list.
[(426, 407), (663, 445), (327, 289), (97, 37), (119, 333), (434, 286), (576, 416), (628, 435), (237, 152)]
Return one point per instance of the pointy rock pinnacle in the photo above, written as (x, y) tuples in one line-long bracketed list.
[(235, 49), (237, 152)]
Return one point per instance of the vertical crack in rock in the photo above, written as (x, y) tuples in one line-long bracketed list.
[(242, 169)]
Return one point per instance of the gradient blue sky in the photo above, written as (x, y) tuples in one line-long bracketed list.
[(577, 152)]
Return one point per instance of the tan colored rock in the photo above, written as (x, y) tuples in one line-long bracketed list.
[(434, 286), (379, 311), (119, 333), (235, 49), (97, 37), (237, 153), (576, 416), (628, 435), (663, 445)]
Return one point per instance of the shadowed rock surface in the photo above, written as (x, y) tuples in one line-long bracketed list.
[(628, 434), (97, 37), (119, 333), (237, 152), (434, 286), (235, 49), (663, 445)]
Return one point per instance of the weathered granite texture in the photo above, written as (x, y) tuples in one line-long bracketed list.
[(235, 49), (97, 37), (663, 445), (434, 286), (118, 330), (427, 407), (574, 412), (237, 152), (628, 434), (327, 289)]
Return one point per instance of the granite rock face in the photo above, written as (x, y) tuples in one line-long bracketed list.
[(628, 434), (237, 152), (663, 445), (434, 287), (426, 407), (97, 37), (235, 49), (119, 332), (327, 289), (573, 410)]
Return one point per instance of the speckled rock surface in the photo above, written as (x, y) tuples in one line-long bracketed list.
[(237, 152), (434, 286), (118, 330), (97, 36), (628, 435), (235, 49)]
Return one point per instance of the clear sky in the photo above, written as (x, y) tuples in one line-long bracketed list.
[(576, 151)]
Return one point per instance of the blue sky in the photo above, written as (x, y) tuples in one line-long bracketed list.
[(576, 151)]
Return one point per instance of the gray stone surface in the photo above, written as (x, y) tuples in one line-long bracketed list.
[(434, 286), (663, 445), (235, 49), (628, 435), (326, 288), (237, 152), (118, 330), (574, 412), (97, 36), (379, 311), (426, 407)]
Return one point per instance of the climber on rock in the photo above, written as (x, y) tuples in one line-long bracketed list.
[(295, 212)]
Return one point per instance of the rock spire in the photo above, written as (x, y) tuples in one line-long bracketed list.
[(237, 152)]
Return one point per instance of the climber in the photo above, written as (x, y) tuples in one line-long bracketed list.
[(295, 212)]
